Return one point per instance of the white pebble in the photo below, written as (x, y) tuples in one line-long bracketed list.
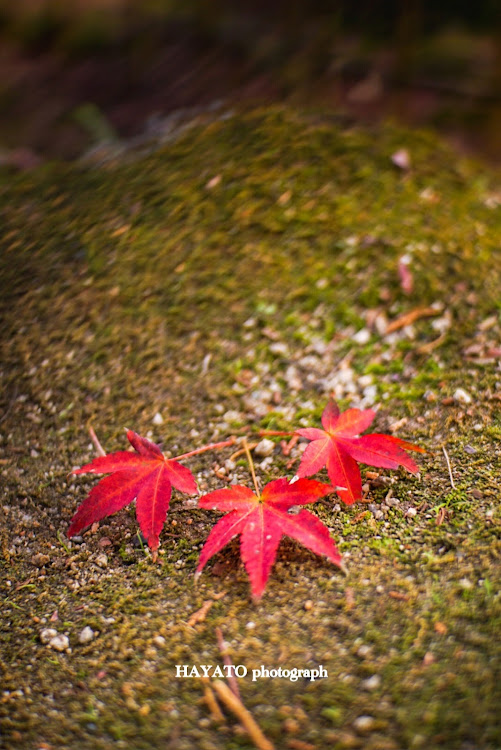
[(46, 634), (59, 642), (86, 635), (264, 448), (462, 396), (102, 560), (411, 512), (370, 394), (364, 724), (232, 416), (362, 336), (292, 378), (401, 159), (279, 348), (158, 419), (371, 683), (365, 380)]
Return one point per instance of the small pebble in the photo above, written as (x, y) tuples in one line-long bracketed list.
[(159, 641), (363, 724), (102, 560), (232, 416), (362, 336), (364, 651), (46, 634), (402, 159), (279, 348), (40, 560), (86, 635), (371, 683), (158, 419), (462, 396), (411, 512), (264, 448), (392, 502), (292, 378), (308, 604), (59, 642)]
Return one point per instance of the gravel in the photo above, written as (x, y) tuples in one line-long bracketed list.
[(363, 724), (264, 448), (86, 635)]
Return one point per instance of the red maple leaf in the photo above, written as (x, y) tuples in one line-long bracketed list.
[(261, 522), (146, 476), (339, 446)]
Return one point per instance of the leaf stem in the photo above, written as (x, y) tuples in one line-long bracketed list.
[(251, 465), (99, 448), (211, 447), (277, 433)]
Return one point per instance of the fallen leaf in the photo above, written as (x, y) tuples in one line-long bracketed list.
[(339, 447), (262, 521), (145, 476)]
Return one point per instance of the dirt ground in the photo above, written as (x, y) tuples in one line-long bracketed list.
[(228, 275)]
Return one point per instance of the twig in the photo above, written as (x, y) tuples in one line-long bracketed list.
[(410, 317), (449, 467), (232, 680), (287, 447), (251, 465), (238, 708), (200, 614), (97, 445), (210, 699), (431, 345), (242, 452), (211, 447)]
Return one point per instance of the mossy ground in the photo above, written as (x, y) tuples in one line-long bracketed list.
[(118, 281)]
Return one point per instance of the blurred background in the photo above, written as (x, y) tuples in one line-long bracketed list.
[(77, 72)]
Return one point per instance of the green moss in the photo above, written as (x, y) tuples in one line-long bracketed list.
[(117, 282)]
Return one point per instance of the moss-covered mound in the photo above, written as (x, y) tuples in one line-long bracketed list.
[(233, 278)]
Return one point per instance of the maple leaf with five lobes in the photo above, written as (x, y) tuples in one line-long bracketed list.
[(146, 476), (262, 521), (339, 446)]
